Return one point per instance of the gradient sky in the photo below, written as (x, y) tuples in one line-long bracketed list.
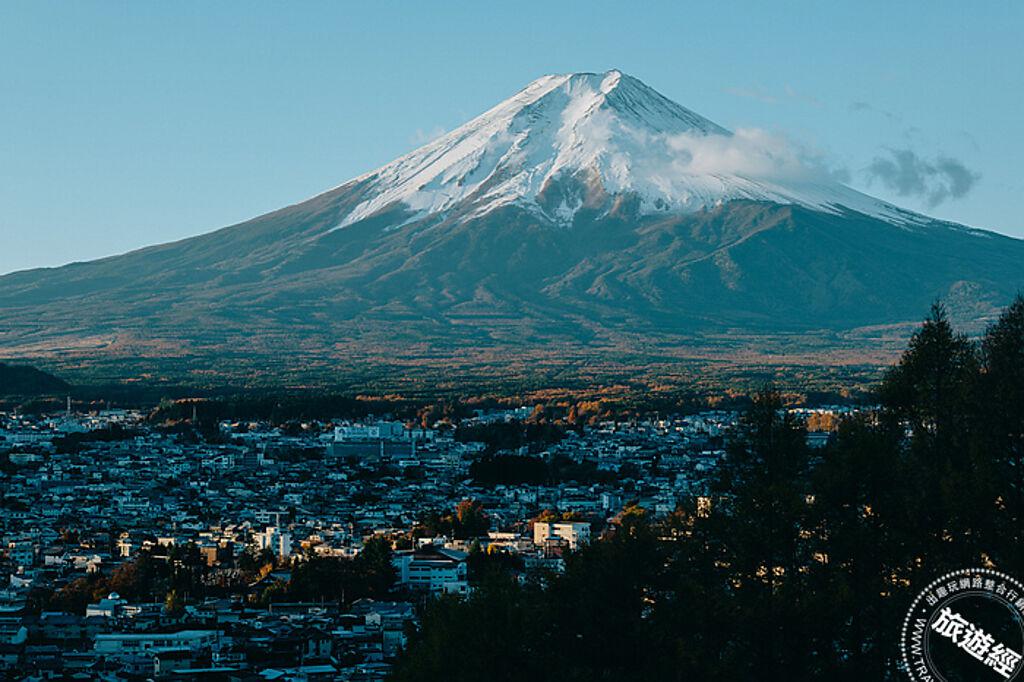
[(128, 124)]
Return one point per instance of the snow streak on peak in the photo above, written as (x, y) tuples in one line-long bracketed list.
[(610, 127)]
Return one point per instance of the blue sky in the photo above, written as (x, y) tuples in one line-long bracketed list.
[(128, 124)]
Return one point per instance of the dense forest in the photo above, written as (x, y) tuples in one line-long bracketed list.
[(25, 380), (797, 564)]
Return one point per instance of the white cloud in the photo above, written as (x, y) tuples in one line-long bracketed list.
[(752, 153)]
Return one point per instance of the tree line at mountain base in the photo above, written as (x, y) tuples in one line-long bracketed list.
[(797, 564)]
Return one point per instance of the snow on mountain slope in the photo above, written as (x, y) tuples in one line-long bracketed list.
[(614, 128)]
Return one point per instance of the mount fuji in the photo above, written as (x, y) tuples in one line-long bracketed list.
[(586, 219)]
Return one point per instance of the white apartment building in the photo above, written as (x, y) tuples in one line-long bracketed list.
[(276, 540), (433, 568), (575, 533)]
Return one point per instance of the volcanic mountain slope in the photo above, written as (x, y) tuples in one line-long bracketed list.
[(585, 212)]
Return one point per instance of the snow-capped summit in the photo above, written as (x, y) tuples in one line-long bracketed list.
[(610, 128)]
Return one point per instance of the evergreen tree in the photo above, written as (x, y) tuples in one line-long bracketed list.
[(375, 567), (864, 549), (761, 503), (1003, 411), (933, 393)]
